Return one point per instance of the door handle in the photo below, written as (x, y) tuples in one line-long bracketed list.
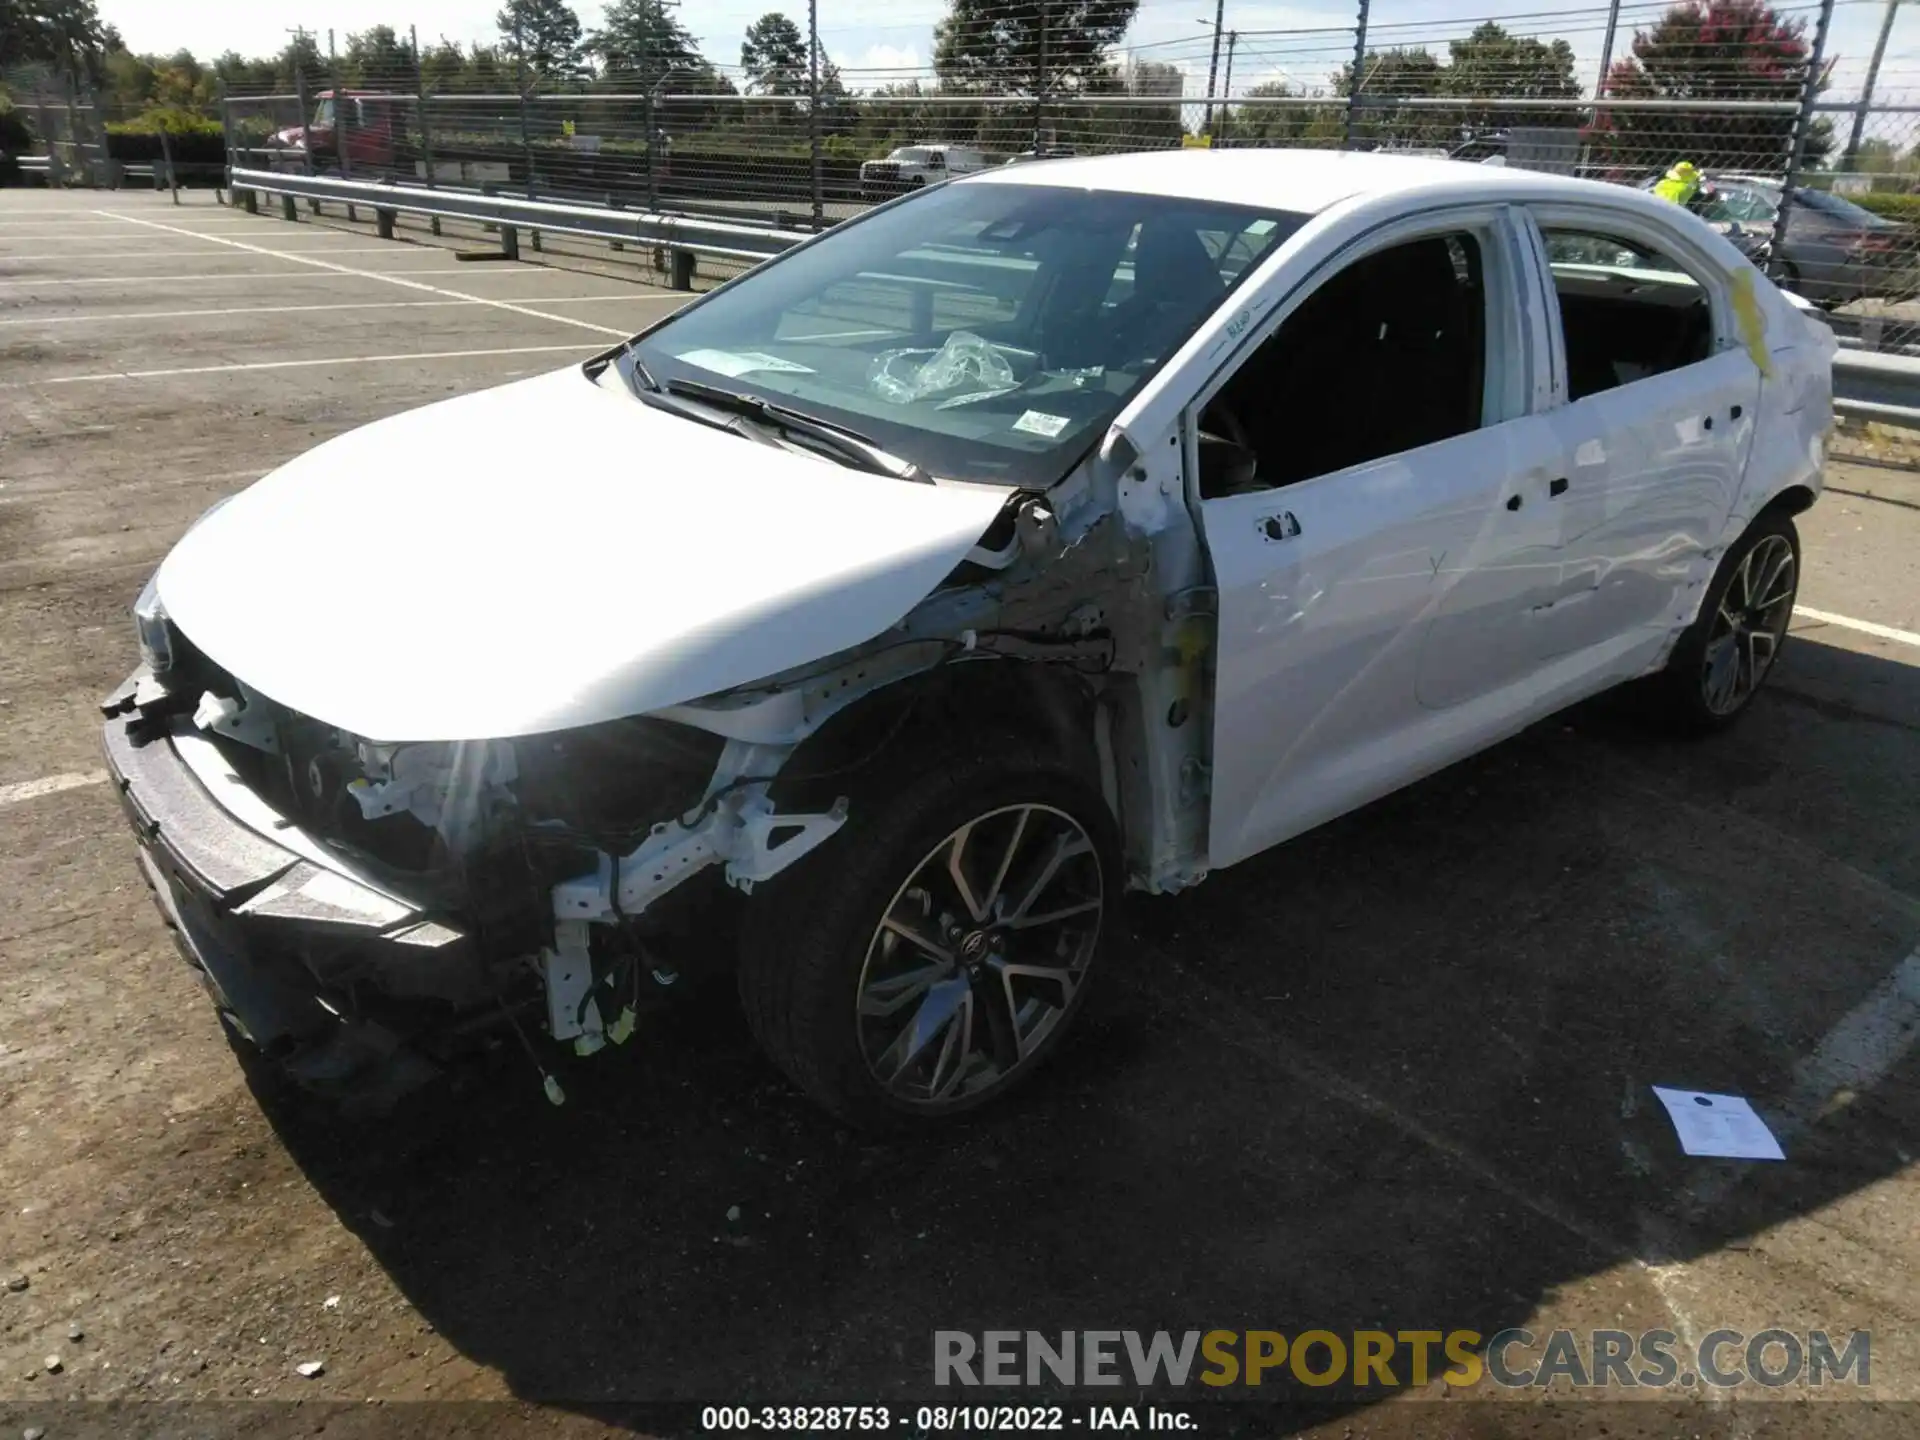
[(1279, 527), (1707, 423), (1557, 487), (1513, 502)]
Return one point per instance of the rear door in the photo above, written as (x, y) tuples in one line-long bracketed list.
[(1655, 400)]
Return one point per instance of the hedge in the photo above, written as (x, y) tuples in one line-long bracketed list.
[(1905, 208), (135, 145)]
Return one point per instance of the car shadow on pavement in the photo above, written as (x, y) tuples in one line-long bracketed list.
[(1391, 1076)]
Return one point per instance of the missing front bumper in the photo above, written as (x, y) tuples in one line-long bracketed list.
[(303, 954)]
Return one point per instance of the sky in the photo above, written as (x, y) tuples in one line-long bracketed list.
[(1301, 41)]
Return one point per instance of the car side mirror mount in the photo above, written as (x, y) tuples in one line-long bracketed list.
[(1226, 468)]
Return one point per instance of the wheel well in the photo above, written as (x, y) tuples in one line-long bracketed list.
[(1047, 701), (1794, 500)]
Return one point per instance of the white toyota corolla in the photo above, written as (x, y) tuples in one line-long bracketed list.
[(1062, 530)]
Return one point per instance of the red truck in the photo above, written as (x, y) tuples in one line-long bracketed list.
[(373, 122)]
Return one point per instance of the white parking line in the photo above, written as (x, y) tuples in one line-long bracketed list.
[(512, 272), (6, 255), (48, 785), (390, 279), (297, 364), (1856, 1053), (132, 315), (1865, 627), (1854, 1056), (109, 230)]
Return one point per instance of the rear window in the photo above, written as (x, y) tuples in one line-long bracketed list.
[(1827, 203)]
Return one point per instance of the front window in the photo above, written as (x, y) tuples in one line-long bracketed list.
[(985, 332), (1738, 204)]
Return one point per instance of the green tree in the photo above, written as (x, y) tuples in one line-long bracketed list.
[(377, 58), (643, 41), (1491, 64), (548, 30), (65, 34), (1710, 51), (774, 55), (1399, 74), (996, 46), (1281, 124)]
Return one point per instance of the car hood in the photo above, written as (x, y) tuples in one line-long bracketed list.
[(547, 554)]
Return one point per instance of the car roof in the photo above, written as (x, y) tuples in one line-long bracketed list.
[(1302, 181)]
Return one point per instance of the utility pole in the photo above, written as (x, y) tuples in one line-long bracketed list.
[(1353, 87), (1606, 49), (813, 111), (1226, 91), (1213, 65), (300, 37), (1040, 83), (1866, 90), (1798, 154), (342, 117)]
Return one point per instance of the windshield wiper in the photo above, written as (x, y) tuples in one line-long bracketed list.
[(849, 445), (637, 374)]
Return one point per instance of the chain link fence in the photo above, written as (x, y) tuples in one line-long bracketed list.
[(1803, 117), (1806, 130), (67, 124)]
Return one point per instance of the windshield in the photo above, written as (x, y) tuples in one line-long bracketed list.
[(322, 115), (912, 153), (984, 332)]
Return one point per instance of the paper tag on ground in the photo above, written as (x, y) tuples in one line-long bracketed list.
[(1721, 1125), (1036, 422)]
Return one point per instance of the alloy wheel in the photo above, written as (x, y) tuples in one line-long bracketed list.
[(1749, 625), (979, 955)]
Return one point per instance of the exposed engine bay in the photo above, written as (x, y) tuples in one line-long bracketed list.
[(586, 869)]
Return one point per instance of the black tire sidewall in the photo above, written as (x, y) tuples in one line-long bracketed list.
[(1685, 692), (806, 938)]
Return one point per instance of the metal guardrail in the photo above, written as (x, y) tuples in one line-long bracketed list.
[(1878, 387), (681, 235)]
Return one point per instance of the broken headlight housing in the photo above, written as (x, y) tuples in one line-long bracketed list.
[(151, 626), (154, 631)]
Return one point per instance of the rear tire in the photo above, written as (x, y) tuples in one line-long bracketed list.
[(930, 958), (1729, 651)]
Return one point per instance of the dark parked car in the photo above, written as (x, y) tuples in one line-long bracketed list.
[(1834, 251)]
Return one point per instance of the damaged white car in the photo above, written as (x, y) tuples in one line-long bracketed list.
[(1062, 530)]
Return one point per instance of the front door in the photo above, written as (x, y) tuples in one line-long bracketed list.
[(1373, 491)]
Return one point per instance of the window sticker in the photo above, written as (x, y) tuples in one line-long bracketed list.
[(1036, 422), (730, 363)]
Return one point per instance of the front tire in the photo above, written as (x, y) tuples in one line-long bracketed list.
[(930, 958), (1730, 649)]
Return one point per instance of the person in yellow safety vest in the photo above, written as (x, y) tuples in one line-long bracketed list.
[(1681, 184)]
